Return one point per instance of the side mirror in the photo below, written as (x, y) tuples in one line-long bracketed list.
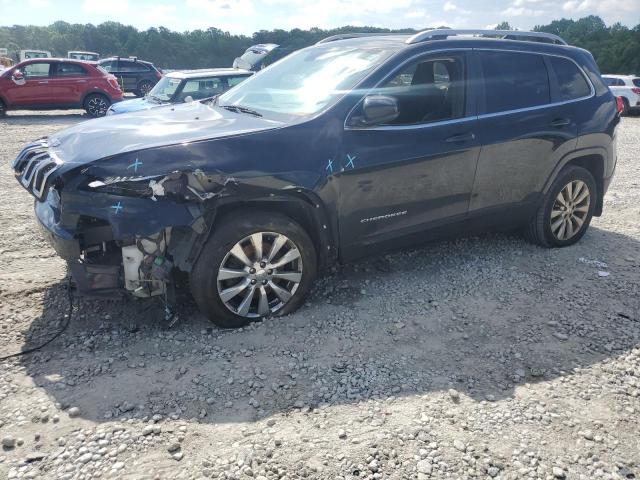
[(379, 109), (18, 78), (188, 99)]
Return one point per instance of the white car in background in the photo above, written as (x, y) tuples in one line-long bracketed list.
[(27, 54), (88, 56), (628, 88)]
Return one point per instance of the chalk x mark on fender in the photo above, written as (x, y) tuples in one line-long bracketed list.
[(350, 162), (330, 166), (117, 207), (135, 165)]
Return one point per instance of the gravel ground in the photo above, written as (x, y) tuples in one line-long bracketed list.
[(483, 357)]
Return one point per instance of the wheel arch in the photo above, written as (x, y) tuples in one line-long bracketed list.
[(91, 92), (303, 207), (592, 160)]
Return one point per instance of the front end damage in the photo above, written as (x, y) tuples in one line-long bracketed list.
[(126, 227), (129, 201), (121, 234)]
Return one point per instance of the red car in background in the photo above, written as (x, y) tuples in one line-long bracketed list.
[(58, 83)]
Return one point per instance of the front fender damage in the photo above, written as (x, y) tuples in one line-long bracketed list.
[(156, 224), (149, 260)]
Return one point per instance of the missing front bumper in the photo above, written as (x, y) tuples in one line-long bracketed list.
[(103, 281)]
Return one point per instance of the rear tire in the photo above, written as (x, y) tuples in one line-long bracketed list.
[(3, 109), (144, 87), (97, 104), (258, 285), (625, 107), (566, 211)]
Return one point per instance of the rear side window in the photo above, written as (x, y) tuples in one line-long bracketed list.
[(108, 66), (514, 80), (636, 82), (70, 70), (571, 81), (132, 67), (198, 88)]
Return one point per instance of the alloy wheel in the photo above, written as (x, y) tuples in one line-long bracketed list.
[(570, 210), (145, 88), (97, 106), (260, 274)]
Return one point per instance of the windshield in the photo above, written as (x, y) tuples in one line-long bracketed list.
[(165, 88), (306, 81)]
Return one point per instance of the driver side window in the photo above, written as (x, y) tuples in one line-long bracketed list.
[(429, 90), (36, 70), (200, 88)]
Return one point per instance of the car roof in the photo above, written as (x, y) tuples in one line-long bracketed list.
[(370, 41), (407, 43), (206, 72), (613, 75), (59, 59), (447, 37), (130, 59)]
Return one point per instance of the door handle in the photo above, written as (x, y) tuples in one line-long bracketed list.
[(560, 122), (463, 137)]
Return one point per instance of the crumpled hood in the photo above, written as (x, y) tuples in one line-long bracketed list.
[(168, 125)]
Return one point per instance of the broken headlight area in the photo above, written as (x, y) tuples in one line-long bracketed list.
[(124, 189), (177, 186)]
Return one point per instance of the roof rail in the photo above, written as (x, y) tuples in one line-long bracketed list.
[(443, 33), (345, 36)]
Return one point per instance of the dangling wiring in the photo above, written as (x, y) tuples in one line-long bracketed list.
[(66, 320)]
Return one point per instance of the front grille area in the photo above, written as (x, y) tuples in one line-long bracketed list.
[(34, 165)]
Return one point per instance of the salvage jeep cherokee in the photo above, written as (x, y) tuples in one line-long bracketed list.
[(352, 146)]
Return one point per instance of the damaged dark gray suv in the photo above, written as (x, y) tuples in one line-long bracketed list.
[(353, 146)]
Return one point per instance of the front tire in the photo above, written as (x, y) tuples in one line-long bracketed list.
[(3, 109), (254, 265), (567, 209), (96, 105)]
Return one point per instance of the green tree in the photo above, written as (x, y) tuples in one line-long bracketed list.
[(504, 26), (616, 47)]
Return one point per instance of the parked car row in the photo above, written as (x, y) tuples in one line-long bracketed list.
[(189, 85), (55, 83)]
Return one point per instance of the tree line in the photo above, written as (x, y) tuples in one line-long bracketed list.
[(615, 47)]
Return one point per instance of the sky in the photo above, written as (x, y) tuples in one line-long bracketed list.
[(248, 16)]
